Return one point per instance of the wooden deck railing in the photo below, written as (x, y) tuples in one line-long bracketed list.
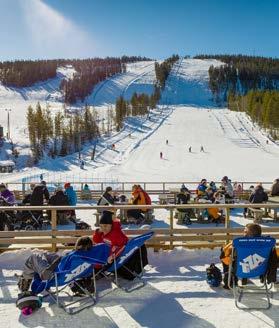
[(125, 187), (166, 238)]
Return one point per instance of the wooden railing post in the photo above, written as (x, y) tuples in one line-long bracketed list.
[(164, 188), (171, 228), (53, 228), (227, 221)]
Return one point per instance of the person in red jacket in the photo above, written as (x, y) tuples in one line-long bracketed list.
[(110, 233)]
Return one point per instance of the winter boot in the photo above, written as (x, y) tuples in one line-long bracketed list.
[(23, 284)]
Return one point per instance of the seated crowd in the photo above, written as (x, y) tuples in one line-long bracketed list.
[(205, 193)]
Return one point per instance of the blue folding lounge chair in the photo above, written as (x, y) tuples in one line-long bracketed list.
[(131, 247), (250, 259), (72, 267)]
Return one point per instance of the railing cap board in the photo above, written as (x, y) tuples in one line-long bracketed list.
[(168, 206), (162, 231)]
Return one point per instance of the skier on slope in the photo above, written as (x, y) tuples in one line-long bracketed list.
[(202, 149), (167, 142), (161, 155), (190, 149)]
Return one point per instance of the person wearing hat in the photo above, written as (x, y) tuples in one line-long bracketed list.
[(71, 194), (110, 233)]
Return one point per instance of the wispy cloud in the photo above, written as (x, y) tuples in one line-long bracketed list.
[(54, 34)]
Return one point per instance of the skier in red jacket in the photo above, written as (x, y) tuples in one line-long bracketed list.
[(110, 233)]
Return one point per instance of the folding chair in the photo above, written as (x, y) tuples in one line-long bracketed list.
[(250, 259), (74, 266), (131, 247)]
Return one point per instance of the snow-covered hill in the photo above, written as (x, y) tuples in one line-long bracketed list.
[(233, 146), (190, 84), (139, 78)]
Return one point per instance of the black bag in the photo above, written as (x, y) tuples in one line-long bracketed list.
[(85, 283), (133, 266), (81, 225), (213, 276)]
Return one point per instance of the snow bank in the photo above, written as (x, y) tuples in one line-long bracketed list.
[(176, 295)]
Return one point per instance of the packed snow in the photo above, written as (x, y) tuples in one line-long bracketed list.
[(176, 295)]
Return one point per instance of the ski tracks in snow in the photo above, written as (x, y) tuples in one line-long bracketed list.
[(237, 131)]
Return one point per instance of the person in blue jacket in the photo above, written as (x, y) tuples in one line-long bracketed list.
[(71, 194)]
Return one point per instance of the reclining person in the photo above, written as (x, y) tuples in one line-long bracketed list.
[(110, 233), (45, 263), (250, 230)]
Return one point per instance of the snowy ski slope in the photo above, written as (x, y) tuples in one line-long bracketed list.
[(233, 146)]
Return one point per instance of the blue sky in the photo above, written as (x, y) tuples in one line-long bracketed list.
[(155, 28)]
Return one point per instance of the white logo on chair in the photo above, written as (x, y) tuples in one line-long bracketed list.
[(251, 262), (77, 271), (124, 257)]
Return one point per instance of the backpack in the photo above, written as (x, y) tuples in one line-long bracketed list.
[(213, 276), (28, 302), (80, 286)]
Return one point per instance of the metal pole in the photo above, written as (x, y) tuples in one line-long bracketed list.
[(9, 124)]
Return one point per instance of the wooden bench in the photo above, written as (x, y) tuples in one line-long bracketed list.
[(257, 214), (85, 195)]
